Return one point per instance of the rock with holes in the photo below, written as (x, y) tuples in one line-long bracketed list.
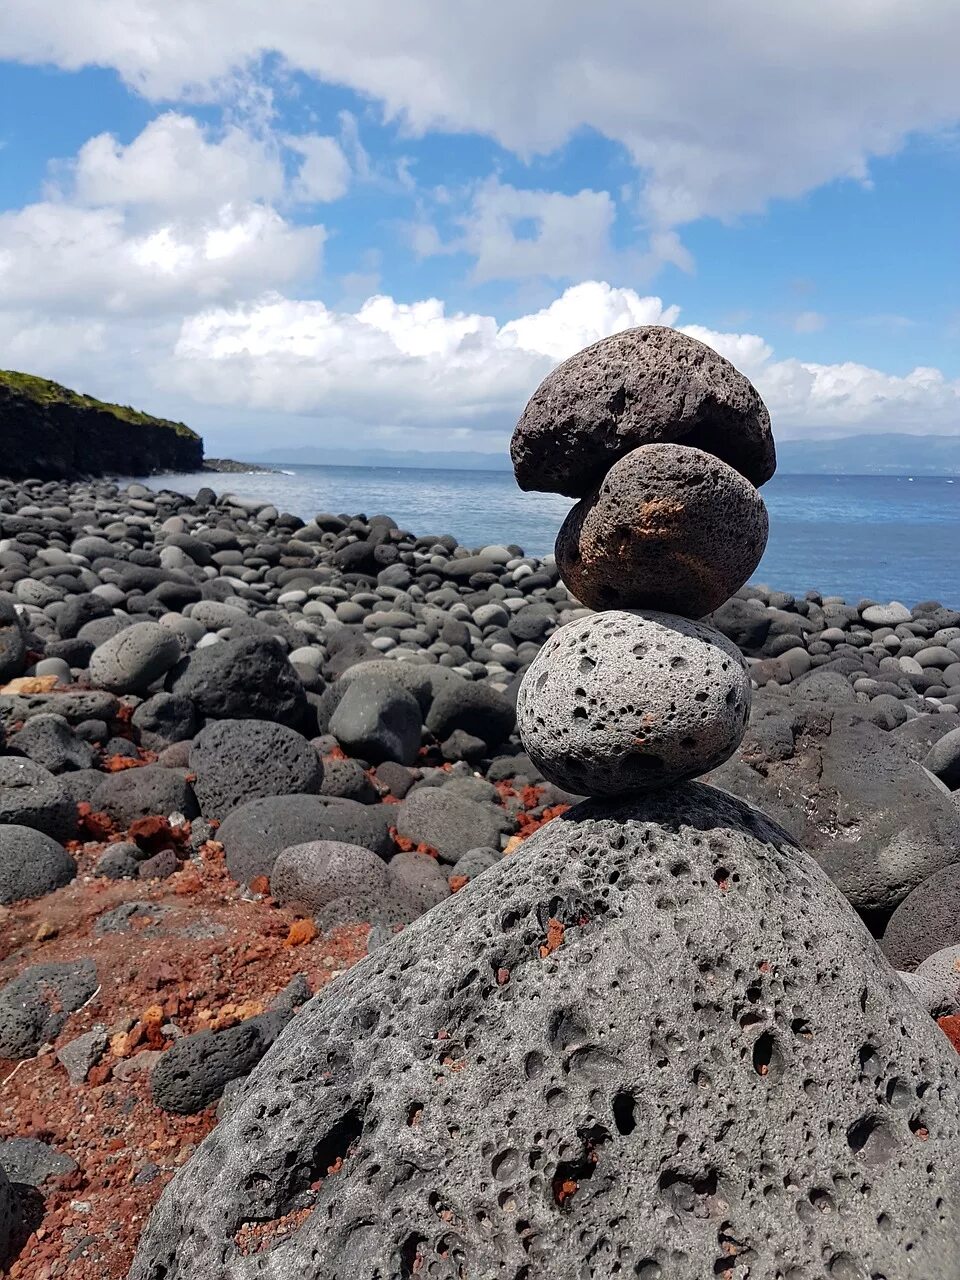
[(628, 700), (649, 385), (668, 527), (240, 760), (654, 1039)]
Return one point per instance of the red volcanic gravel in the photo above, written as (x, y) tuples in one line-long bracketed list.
[(161, 971)]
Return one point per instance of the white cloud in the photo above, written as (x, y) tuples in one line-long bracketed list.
[(391, 365), (514, 234), (723, 106), (173, 164), (98, 261), (325, 172)]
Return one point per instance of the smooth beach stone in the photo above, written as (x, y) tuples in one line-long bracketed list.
[(669, 527), (653, 1040), (134, 658), (631, 700), (31, 864), (312, 875), (648, 385)]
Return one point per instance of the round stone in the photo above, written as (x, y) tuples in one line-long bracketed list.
[(236, 761), (313, 875), (668, 527), (642, 386), (134, 658), (631, 700)]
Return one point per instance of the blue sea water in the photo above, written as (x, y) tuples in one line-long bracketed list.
[(885, 537)]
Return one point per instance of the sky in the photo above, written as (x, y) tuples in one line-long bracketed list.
[(383, 224)]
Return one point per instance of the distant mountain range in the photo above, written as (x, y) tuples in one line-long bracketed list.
[(865, 455)]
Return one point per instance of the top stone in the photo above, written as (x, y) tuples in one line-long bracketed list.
[(649, 385)]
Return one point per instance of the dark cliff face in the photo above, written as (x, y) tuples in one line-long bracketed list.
[(50, 432)]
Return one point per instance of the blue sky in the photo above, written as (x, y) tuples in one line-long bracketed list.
[(387, 223)]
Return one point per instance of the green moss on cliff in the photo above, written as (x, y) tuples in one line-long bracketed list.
[(44, 392)]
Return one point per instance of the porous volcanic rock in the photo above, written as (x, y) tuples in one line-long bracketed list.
[(626, 700), (35, 1005), (30, 796), (378, 720), (926, 921), (649, 385), (654, 1040), (312, 875), (245, 679), (240, 760), (668, 527)]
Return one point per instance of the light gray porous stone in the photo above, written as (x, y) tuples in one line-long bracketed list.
[(240, 760), (648, 385), (315, 874), (711, 1060), (134, 658), (668, 527), (628, 700)]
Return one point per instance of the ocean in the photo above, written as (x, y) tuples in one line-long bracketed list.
[(884, 537)]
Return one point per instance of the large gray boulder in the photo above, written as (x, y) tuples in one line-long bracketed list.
[(648, 385), (254, 834), (31, 864), (654, 1040), (378, 720), (245, 679), (30, 796), (845, 789)]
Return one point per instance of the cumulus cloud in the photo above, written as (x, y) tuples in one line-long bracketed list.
[(514, 234), (97, 260), (173, 164), (723, 107), (392, 365)]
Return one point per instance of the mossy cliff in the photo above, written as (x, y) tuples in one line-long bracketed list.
[(51, 432)]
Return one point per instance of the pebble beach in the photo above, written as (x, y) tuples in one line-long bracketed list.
[(375, 904), (172, 665)]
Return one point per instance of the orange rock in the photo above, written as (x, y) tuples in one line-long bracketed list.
[(456, 883), (301, 931), (950, 1026), (259, 884), (554, 938), (30, 685)]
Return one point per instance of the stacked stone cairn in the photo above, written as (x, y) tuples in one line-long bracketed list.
[(641, 694), (655, 1042)]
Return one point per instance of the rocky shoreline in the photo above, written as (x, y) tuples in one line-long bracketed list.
[(239, 751)]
